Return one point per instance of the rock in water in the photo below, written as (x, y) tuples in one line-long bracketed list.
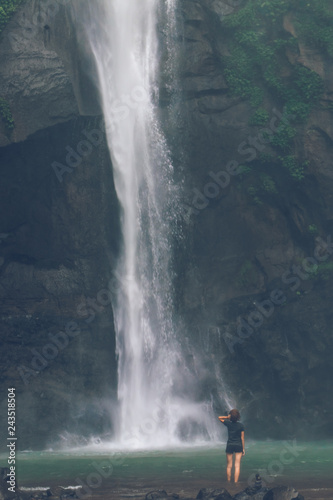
[(260, 494), (242, 495), (251, 494), (68, 493), (282, 493), (154, 495), (258, 482), (38, 495), (223, 496), (4, 484), (210, 494), (204, 493)]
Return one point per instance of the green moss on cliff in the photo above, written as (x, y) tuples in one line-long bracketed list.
[(314, 24), (6, 115), (257, 44), (259, 118), (247, 276), (7, 9), (258, 68), (313, 20)]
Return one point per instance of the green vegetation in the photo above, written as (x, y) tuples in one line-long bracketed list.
[(7, 9), (257, 44), (259, 118), (314, 23), (248, 275), (312, 228), (268, 183), (282, 139), (324, 270), (6, 115), (295, 169), (244, 169), (253, 192), (259, 68)]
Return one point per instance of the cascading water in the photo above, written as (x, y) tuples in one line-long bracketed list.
[(152, 409)]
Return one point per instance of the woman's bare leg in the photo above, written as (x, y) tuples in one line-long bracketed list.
[(229, 466), (238, 457)]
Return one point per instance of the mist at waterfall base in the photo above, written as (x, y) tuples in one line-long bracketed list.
[(159, 402)]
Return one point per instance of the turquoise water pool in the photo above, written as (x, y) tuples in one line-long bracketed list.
[(289, 462)]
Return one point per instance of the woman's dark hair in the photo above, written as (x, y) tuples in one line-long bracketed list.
[(234, 415)]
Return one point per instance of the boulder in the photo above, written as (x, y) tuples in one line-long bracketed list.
[(68, 493), (41, 495), (282, 493), (251, 494), (211, 493), (225, 495), (4, 493), (154, 495)]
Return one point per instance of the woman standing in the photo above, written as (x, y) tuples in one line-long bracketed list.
[(235, 443)]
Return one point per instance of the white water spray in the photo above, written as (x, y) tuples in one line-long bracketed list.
[(151, 369)]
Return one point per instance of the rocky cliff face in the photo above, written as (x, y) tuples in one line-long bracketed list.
[(255, 267), (247, 251), (59, 234)]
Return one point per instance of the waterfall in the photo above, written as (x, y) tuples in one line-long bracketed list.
[(152, 373)]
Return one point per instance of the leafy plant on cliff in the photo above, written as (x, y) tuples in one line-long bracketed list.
[(314, 24), (259, 118), (257, 66), (324, 270), (253, 192), (282, 139), (256, 51), (7, 9), (268, 183), (293, 166), (247, 276), (313, 229), (6, 115)]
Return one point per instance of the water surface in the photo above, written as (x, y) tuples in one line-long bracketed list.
[(307, 466)]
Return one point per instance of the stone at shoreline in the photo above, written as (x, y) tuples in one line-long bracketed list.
[(277, 493), (211, 493), (68, 493), (4, 484), (155, 495), (283, 493), (224, 496), (40, 495), (248, 495)]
